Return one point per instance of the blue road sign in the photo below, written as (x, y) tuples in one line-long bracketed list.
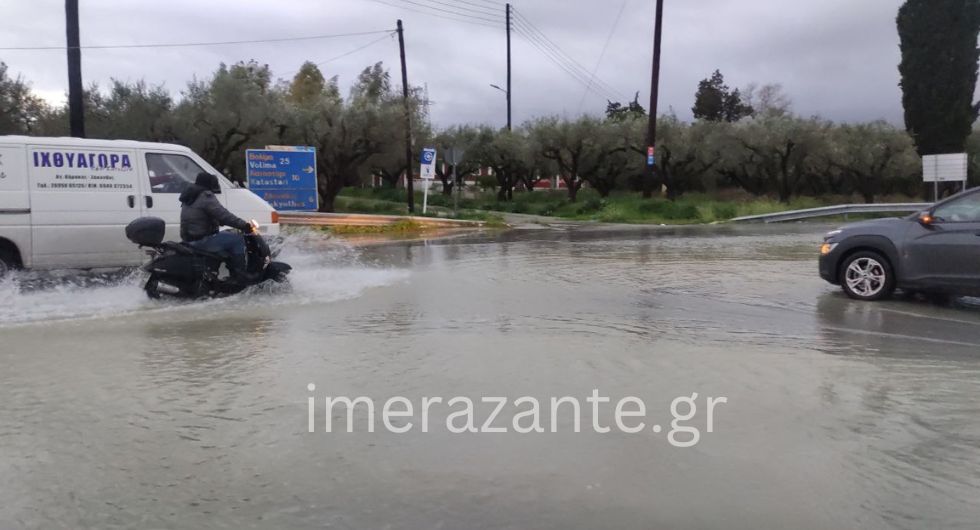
[(284, 177)]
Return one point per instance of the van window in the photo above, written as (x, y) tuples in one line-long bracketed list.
[(171, 173)]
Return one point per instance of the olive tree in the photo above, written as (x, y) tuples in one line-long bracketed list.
[(347, 133), (20, 110), (774, 153), (237, 108), (576, 147), (868, 156)]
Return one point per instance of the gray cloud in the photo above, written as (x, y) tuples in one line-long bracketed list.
[(836, 58)]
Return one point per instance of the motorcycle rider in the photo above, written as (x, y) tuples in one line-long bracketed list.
[(201, 217)]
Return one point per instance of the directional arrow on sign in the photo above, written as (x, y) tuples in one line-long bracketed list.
[(309, 170)]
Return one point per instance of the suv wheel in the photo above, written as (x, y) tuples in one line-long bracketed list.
[(867, 276)]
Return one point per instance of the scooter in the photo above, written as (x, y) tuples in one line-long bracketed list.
[(179, 270)]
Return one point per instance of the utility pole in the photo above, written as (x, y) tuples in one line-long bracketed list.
[(409, 174), (76, 110), (654, 98), (509, 122)]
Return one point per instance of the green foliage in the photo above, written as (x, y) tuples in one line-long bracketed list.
[(591, 206), (309, 85), (724, 211), (939, 71), (20, 110), (773, 155), (235, 109), (714, 101), (616, 111)]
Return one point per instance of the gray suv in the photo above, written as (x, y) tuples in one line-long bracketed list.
[(935, 251)]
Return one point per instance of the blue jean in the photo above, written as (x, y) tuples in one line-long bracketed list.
[(228, 243)]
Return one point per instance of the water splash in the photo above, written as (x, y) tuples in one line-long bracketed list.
[(324, 270)]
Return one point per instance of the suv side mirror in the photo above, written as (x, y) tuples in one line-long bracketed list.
[(926, 219)]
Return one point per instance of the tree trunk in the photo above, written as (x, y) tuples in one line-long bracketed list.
[(329, 189)]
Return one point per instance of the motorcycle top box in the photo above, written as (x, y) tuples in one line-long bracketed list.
[(147, 231)]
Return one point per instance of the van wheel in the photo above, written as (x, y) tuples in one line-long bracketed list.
[(867, 276), (7, 263)]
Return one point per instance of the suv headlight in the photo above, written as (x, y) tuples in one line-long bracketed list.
[(827, 248)]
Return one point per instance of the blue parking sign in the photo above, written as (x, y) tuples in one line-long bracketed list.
[(285, 177)]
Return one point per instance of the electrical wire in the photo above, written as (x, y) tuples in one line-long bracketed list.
[(194, 44), (605, 47), (496, 5), (476, 10), (578, 76), (578, 73), (461, 13), (355, 50), (529, 27), (446, 17), (569, 62), (558, 55)]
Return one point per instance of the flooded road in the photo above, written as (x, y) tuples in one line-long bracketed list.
[(119, 412)]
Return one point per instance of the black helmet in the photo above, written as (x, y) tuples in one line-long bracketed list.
[(208, 182)]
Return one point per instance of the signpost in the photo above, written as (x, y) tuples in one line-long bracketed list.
[(284, 176), (945, 168), (428, 173), (651, 156)]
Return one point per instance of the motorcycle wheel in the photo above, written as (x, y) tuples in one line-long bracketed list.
[(151, 288)]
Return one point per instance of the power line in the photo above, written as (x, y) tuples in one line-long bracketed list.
[(605, 47), (577, 72), (477, 9), (355, 50), (461, 13), (571, 63), (549, 54), (531, 30), (495, 5), (193, 44), (446, 17)]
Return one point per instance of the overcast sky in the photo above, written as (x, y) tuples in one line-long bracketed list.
[(835, 58)]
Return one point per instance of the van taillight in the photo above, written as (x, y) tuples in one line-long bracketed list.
[(275, 217)]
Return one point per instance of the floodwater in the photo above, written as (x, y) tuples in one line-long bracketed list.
[(119, 412)]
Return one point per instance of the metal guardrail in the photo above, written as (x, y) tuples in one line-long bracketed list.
[(828, 211)]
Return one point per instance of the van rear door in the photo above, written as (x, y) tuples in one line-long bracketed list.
[(15, 203), (81, 200)]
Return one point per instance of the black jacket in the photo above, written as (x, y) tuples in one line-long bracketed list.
[(201, 214)]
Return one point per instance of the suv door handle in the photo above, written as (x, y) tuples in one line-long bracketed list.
[(149, 201), (131, 201)]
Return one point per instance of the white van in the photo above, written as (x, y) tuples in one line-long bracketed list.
[(65, 202)]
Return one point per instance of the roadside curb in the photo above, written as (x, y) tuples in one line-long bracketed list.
[(350, 219)]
